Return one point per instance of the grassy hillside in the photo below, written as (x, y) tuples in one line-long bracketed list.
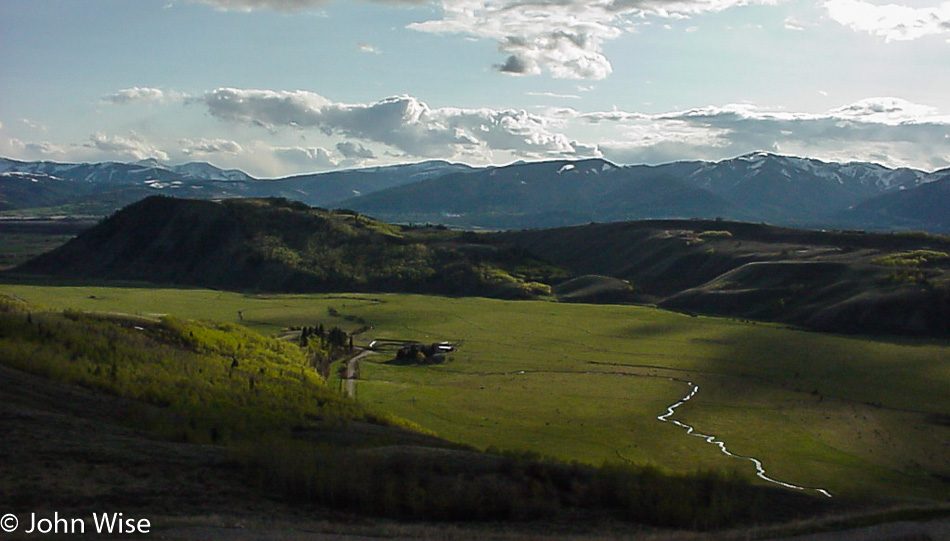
[(276, 245), (832, 281), (22, 240), (209, 382), (858, 417), (829, 281), (222, 384)]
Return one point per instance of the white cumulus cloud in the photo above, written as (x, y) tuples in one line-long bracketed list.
[(402, 122), (354, 151), (312, 157), (562, 37), (141, 95), (252, 5), (364, 47), (125, 147), (893, 22), (890, 130), (210, 146), (30, 150), (285, 5)]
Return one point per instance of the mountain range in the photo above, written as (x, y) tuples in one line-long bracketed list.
[(757, 187)]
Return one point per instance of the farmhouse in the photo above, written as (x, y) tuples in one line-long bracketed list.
[(417, 353)]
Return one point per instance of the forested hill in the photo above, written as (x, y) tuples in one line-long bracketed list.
[(277, 245)]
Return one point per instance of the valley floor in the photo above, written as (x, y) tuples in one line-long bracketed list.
[(66, 449)]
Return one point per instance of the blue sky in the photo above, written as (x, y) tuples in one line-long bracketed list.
[(277, 87)]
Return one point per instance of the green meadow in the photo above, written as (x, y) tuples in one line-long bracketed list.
[(856, 416)]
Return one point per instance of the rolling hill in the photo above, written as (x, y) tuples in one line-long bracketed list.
[(831, 281), (276, 245), (834, 281)]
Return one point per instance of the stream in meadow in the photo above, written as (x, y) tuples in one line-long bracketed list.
[(760, 469)]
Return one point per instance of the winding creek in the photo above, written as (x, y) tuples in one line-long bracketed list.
[(760, 469), (352, 375)]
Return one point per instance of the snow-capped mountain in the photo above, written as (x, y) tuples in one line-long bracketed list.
[(865, 174), (101, 188), (201, 171), (760, 187), (100, 173), (790, 189)]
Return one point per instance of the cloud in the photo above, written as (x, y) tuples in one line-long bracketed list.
[(554, 95), (518, 66), (209, 146), (889, 111), (893, 22), (286, 5), (561, 37), (140, 95), (402, 122), (133, 146), (261, 159), (886, 129), (367, 48), (793, 25), (351, 150), (33, 125), (44, 148), (254, 5), (315, 157), (890, 130), (30, 150)]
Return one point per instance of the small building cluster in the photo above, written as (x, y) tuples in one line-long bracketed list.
[(417, 353)]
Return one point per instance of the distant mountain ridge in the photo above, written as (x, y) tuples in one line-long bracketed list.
[(757, 187), (124, 173), (103, 188)]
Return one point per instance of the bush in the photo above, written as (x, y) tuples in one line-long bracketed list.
[(914, 258), (216, 381), (435, 484), (714, 235)]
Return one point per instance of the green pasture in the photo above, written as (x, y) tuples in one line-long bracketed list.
[(18, 248), (855, 416)]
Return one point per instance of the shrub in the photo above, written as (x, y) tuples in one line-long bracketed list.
[(914, 258), (217, 381), (715, 235)]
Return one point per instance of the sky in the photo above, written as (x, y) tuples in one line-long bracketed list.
[(281, 87)]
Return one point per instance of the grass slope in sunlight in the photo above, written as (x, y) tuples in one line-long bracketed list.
[(223, 384), (586, 382)]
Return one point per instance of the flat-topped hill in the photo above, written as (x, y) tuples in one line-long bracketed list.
[(276, 245)]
